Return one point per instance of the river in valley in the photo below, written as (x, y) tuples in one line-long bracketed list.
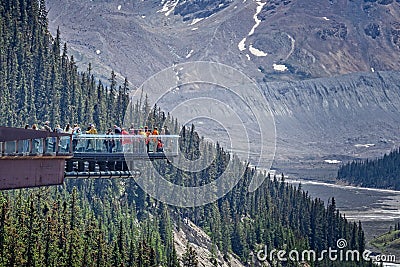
[(377, 209)]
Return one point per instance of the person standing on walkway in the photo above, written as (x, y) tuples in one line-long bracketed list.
[(76, 131), (109, 141), (25, 148), (118, 131), (46, 127), (91, 130)]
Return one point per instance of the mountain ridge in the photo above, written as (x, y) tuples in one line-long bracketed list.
[(311, 39)]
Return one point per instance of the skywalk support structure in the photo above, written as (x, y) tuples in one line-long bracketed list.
[(93, 157), (30, 158)]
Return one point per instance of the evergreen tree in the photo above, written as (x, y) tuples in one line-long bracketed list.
[(189, 259)]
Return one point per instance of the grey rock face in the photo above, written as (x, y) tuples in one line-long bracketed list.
[(338, 118), (197, 9)]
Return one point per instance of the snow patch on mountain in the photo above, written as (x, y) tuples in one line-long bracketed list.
[(364, 145), (196, 21), (332, 161), (256, 19), (293, 42), (168, 7), (257, 52), (279, 67), (190, 54), (242, 45)]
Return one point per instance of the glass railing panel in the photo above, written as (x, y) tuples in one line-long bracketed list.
[(10, 148), (49, 145), (170, 144), (64, 144), (135, 144), (37, 146)]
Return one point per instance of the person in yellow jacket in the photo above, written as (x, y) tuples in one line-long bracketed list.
[(144, 140), (90, 130), (141, 132)]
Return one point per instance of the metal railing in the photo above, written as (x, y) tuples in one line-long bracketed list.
[(96, 143), (128, 144)]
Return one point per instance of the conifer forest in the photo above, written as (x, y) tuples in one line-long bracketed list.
[(379, 173), (113, 222)]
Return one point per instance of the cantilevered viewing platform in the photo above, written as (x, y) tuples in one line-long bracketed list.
[(30, 158)]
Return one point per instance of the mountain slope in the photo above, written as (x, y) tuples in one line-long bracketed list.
[(328, 120), (328, 68), (312, 39)]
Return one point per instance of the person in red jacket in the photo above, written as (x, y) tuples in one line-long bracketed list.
[(160, 145), (125, 140), (155, 131), (148, 133)]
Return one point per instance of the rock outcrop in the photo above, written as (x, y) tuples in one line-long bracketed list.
[(338, 118)]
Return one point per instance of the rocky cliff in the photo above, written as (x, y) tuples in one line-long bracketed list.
[(345, 117)]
